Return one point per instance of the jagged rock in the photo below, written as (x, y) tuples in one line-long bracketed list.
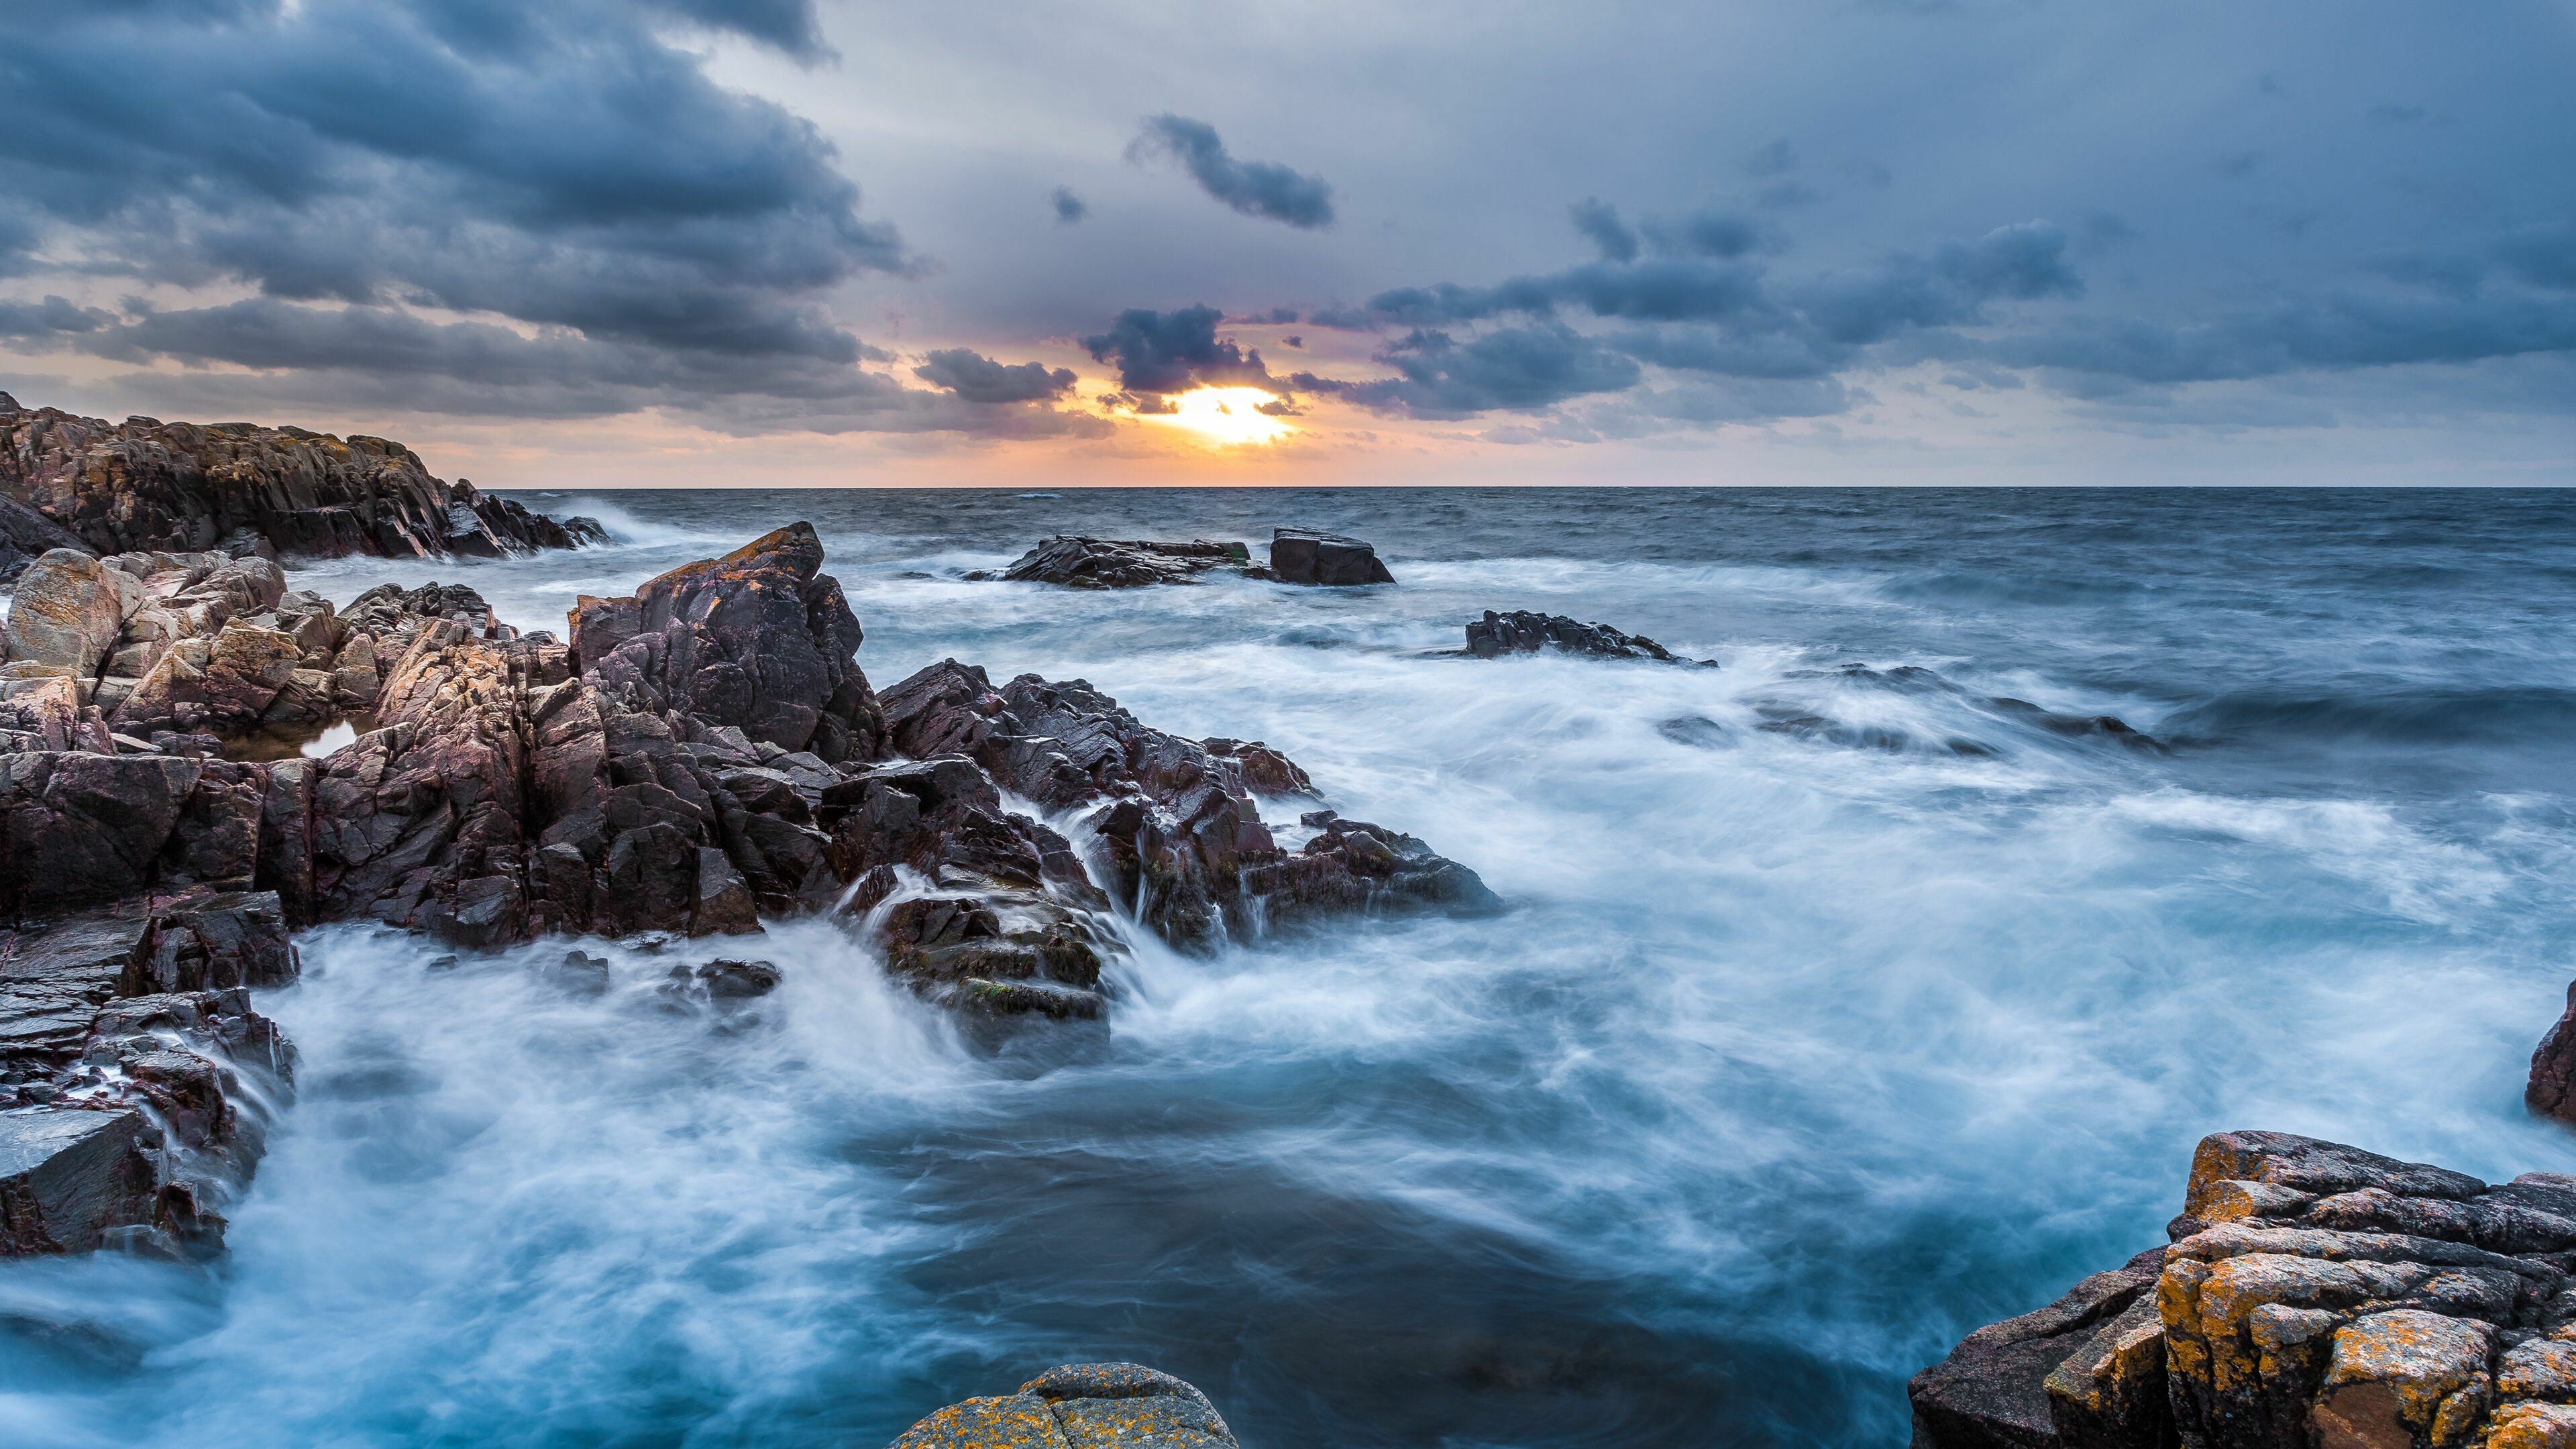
[(2315, 1294), (760, 640), (145, 484), (1183, 833), (2552, 1089), (1080, 1406), (1523, 632), (1299, 556), (1105, 563)]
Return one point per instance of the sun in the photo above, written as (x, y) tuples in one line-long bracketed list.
[(1224, 417)]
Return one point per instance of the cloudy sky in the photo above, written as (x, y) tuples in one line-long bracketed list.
[(1780, 241)]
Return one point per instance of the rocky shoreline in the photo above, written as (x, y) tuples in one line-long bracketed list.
[(688, 761), (144, 485)]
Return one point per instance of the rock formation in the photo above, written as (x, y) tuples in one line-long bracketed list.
[(135, 1079), (1523, 632), (146, 485), (701, 754), (2552, 1089), (2313, 1296), (1080, 1406), (1301, 556), (1104, 563)]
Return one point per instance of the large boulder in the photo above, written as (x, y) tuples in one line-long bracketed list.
[(1104, 563), (146, 484), (66, 612), (1301, 556), (1080, 1406), (2314, 1295)]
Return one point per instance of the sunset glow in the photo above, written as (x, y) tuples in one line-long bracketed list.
[(1224, 417)]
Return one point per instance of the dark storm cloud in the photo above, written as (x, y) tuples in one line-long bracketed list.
[(1949, 287), (978, 378), (1069, 208), (1255, 188), (1168, 352), (556, 164)]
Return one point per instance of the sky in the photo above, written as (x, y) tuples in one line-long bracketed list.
[(804, 242)]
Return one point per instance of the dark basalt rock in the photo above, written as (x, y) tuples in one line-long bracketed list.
[(145, 484), (1523, 632), (1300, 556), (1105, 563), (2314, 1295), (1080, 1406)]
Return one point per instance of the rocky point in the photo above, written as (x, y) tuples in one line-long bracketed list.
[(687, 761)]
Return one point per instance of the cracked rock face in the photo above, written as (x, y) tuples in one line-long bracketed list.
[(1080, 1406), (2315, 1296)]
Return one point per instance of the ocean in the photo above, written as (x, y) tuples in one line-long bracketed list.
[(1839, 1009)]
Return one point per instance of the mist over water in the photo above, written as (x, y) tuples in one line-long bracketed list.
[(1838, 1013)]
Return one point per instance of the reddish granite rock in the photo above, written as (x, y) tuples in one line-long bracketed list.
[(1080, 1406)]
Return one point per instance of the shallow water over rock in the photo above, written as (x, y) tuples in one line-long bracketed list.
[(1802, 1052)]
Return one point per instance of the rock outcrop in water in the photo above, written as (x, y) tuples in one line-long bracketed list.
[(1523, 632), (2314, 1296), (701, 754), (1105, 563), (1080, 1406), (2551, 1091), (146, 485), (1303, 556), (135, 1077)]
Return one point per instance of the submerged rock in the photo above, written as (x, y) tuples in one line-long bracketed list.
[(1103, 563), (1080, 1406), (2313, 1294), (1523, 632), (1301, 556), (144, 484)]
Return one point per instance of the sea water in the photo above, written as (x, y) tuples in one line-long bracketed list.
[(1836, 1012)]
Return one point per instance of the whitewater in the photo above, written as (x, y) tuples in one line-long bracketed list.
[(1837, 1012)]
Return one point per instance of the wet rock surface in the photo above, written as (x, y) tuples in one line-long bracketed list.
[(1104, 563), (1080, 1406), (1523, 632), (148, 485), (2551, 1091), (1302, 556), (2313, 1295)]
